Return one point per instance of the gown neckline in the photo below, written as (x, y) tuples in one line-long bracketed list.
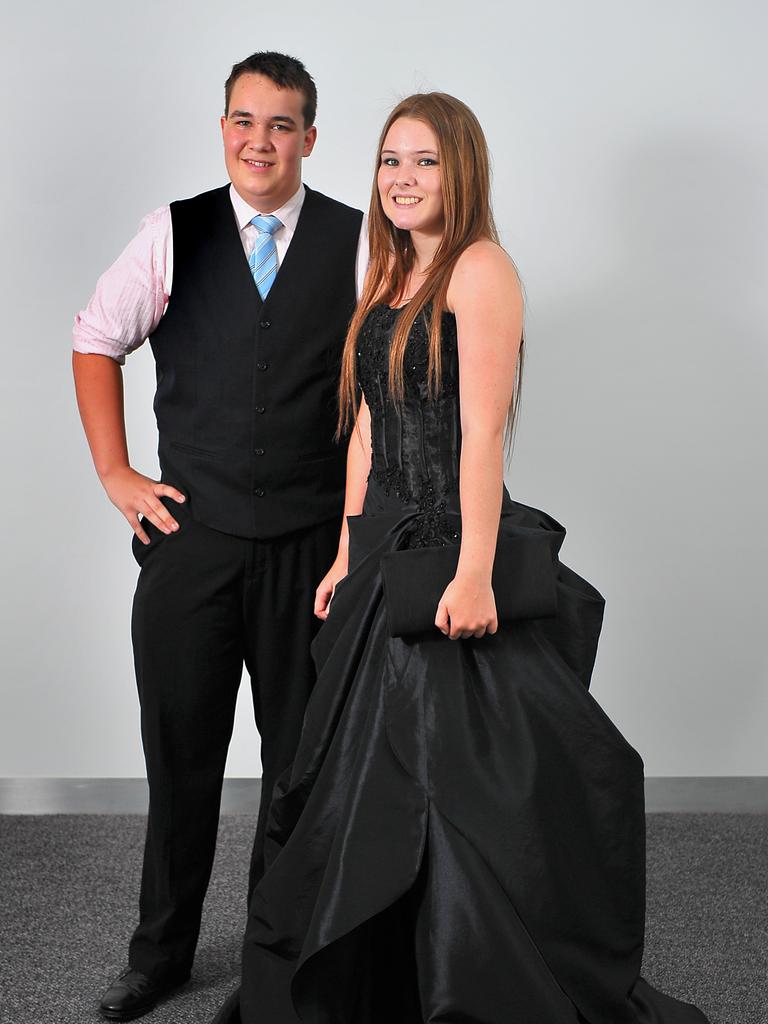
[(398, 309)]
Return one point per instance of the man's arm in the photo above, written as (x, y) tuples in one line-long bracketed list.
[(99, 387), (362, 258), (129, 301)]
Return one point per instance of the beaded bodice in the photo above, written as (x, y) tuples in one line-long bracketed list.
[(415, 445)]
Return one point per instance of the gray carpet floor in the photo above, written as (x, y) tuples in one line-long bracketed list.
[(69, 886)]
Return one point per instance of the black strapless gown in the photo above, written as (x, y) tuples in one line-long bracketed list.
[(461, 837)]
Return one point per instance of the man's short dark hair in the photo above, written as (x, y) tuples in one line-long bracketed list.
[(286, 72)]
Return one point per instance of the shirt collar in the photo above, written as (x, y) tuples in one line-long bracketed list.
[(287, 214)]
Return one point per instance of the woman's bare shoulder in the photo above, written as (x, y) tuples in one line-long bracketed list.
[(483, 266)]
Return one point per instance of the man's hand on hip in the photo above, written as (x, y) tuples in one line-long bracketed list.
[(137, 495)]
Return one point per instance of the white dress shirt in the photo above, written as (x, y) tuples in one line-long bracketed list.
[(132, 295)]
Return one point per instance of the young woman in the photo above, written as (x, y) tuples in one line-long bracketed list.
[(461, 836)]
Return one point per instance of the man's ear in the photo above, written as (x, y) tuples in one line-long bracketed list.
[(310, 138)]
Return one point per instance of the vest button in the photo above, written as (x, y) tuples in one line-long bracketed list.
[(265, 325), (261, 366), (258, 451), (260, 409), (259, 492)]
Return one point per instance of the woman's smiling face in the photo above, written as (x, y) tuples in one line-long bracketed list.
[(409, 177)]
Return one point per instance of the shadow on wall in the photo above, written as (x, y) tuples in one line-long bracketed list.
[(668, 434)]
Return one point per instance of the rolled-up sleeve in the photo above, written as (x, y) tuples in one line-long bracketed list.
[(131, 296)]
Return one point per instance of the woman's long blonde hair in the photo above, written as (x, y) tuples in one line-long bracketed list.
[(465, 180)]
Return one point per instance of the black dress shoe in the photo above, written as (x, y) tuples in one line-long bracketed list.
[(133, 994)]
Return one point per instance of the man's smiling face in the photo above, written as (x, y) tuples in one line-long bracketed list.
[(265, 141)]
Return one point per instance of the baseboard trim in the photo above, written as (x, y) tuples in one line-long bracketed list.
[(107, 796), (737, 794), (680, 794)]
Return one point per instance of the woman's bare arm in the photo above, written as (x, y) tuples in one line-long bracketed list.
[(486, 298), (358, 467)]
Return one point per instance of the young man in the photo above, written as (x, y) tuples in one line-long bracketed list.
[(245, 293)]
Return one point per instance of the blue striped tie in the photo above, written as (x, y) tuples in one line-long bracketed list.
[(263, 259)]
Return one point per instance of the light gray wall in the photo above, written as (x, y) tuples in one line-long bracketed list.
[(630, 154)]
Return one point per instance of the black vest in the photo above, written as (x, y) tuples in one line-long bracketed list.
[(246, 399)]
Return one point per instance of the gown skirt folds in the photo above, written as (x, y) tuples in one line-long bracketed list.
[(461, 836)]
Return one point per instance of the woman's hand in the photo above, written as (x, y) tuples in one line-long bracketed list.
[(467, 607), (324, 592)]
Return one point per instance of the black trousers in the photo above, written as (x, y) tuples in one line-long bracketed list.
[(207, 603)]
